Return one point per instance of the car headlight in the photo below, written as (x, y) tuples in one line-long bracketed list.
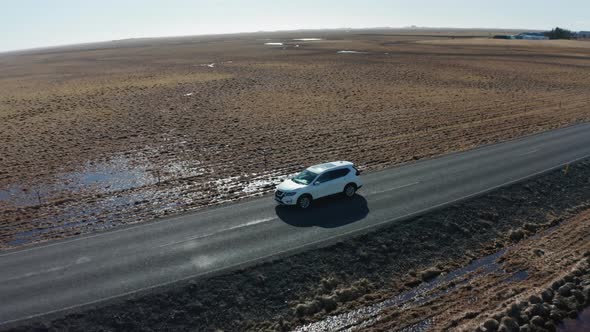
[(290, 194)]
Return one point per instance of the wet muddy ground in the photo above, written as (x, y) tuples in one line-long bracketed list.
[(453, 268), (541, 283), (123, 132)]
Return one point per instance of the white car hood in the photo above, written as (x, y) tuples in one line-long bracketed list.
[(289, 185)]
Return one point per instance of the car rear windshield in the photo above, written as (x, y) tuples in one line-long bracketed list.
[(304, 177)]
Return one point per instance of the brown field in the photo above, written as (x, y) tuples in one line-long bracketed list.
[(99, 135)]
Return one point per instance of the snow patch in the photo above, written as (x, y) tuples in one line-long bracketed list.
[(308, 39), (351, 52)]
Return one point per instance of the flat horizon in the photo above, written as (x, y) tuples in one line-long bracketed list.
[(407, 28), (33, 24)]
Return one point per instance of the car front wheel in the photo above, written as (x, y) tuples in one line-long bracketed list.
[(304, 202), (349, 190)]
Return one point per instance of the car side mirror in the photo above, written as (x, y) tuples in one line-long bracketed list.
[(317, 183)]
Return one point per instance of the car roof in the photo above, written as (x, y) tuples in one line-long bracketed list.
[(327, 166)]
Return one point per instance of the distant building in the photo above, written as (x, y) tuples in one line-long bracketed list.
[(584, 35)]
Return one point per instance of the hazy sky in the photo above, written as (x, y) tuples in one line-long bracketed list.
[(37, 23)]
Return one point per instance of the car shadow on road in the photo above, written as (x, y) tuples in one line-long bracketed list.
[(330, 212)]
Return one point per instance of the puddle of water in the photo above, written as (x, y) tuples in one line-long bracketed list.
[(98, 215), (580, 324), (114, 175), (125, 187), (19, 196), (273, 44), (421, 326), (517, 276), (127, 191), (308, 39), (351, 52)]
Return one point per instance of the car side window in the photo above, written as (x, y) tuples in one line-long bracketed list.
[(341, 173), (326, 177), (333, 175)]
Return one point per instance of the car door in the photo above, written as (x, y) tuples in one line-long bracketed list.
[(323, 184), (339, 180)]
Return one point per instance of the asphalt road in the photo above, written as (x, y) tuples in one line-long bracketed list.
[(68, 274)]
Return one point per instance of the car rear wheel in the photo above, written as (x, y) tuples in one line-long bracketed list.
[(350, 190), (304, 202)]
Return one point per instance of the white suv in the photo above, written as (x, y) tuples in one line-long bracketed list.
[(319, 181)]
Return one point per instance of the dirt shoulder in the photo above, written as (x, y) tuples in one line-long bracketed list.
[(533, 285), (366, 271)]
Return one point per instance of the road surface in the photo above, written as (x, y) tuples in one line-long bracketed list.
[(69, 274)]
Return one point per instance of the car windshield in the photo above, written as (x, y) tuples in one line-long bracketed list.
[(304, 177)]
